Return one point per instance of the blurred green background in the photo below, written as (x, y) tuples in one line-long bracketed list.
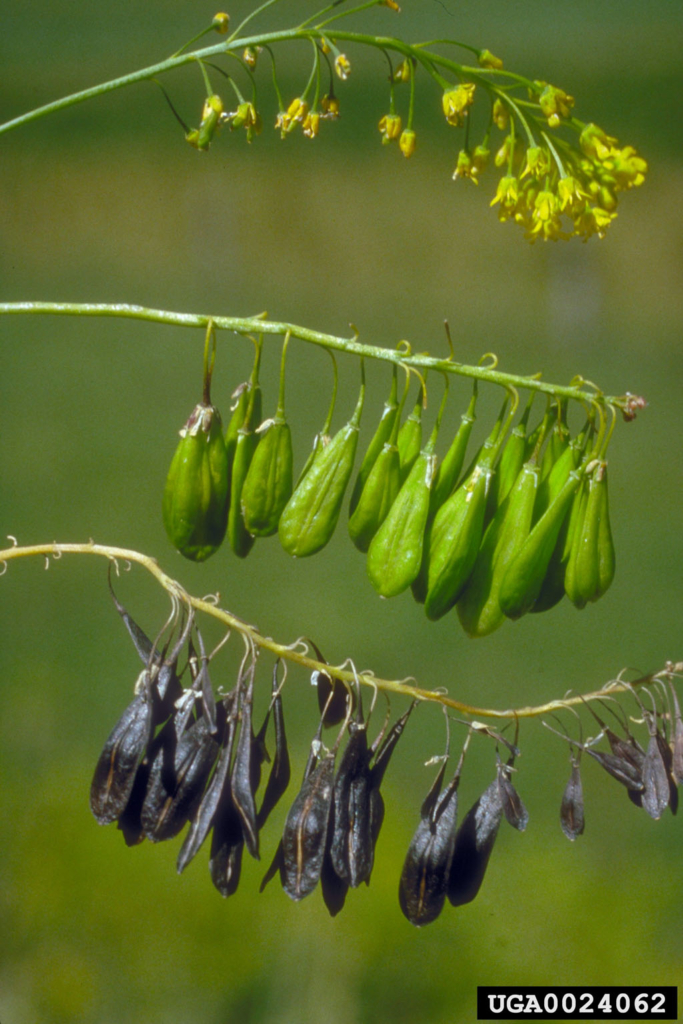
[(104, 202)]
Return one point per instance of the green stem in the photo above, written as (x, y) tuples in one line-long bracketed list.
[(292, 654), (259, 325)]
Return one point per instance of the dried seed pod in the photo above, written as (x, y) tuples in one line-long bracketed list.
[(241, 775), (677, 742), (478, 609), (333, 696), (280, 772), (513, 808), (177, 778), (410, 437), (334, 888), (268, 484), (118, 763), (305, 833), (241, 541), (227, 844), (130, 819), (655, 795), (351, 847), (381, 752), (424, 879), (217, 791), (473, 845), (571, 809), (311, 515), (381, 437)]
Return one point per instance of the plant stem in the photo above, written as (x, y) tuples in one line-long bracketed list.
[(249, 325), (290, 652)]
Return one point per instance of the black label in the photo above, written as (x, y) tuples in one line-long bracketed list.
[(574, 1002)]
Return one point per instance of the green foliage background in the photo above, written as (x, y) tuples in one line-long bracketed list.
[(106, 203)]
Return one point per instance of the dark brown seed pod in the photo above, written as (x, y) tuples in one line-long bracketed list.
[(217, 792), (473, 845), (619, 768), (280, 772), (351, 847), (426, 870), (677, 739), (241, 776), (305, 833), (655, 797), (334, 888), (571, 809), (667, 758), (332, 694), (118, 763), (176, 784), (513, 808), (227, 844), (130, 820)]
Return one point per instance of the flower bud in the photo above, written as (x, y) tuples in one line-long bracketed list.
[(407, 142)]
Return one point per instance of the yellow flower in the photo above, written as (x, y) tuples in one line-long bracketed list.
[(311, 125), (501, 115), (593, 220), (456, 101), (330, 105), (407, 142), (250, 56), (402, 72), (595, 142), (480, 158), (555, 104), (545, 218), (391, 4), (537, 162), (342, 66), (627, 167), (487, 60), (221, 22), (390, 127), (570, 194), (245, 115), (465, 167), (507, 194), (502, 157), (295, 114)]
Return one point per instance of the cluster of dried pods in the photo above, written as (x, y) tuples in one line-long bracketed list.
[(179, 756)]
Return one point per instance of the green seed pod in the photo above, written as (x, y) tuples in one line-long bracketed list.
[(201, 137), (554, 481), (584, 544), (311, 514), (525, 574), (322, 439), (381, 438), (268, 484), (381, 487), (450, 468), (240, 397), (557, 444), (478, 608), (606, 556), (195, 504), (553, 587), (380, 491), (410, 437), (395, 555), (241, 541), (510, 464), (457, 529)]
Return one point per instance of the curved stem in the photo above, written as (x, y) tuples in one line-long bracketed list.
[(290, 652), (247, 325)]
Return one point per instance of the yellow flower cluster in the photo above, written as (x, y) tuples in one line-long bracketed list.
[(583, 189)]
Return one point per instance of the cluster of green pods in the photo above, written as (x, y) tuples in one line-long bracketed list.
[(520, 526)]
